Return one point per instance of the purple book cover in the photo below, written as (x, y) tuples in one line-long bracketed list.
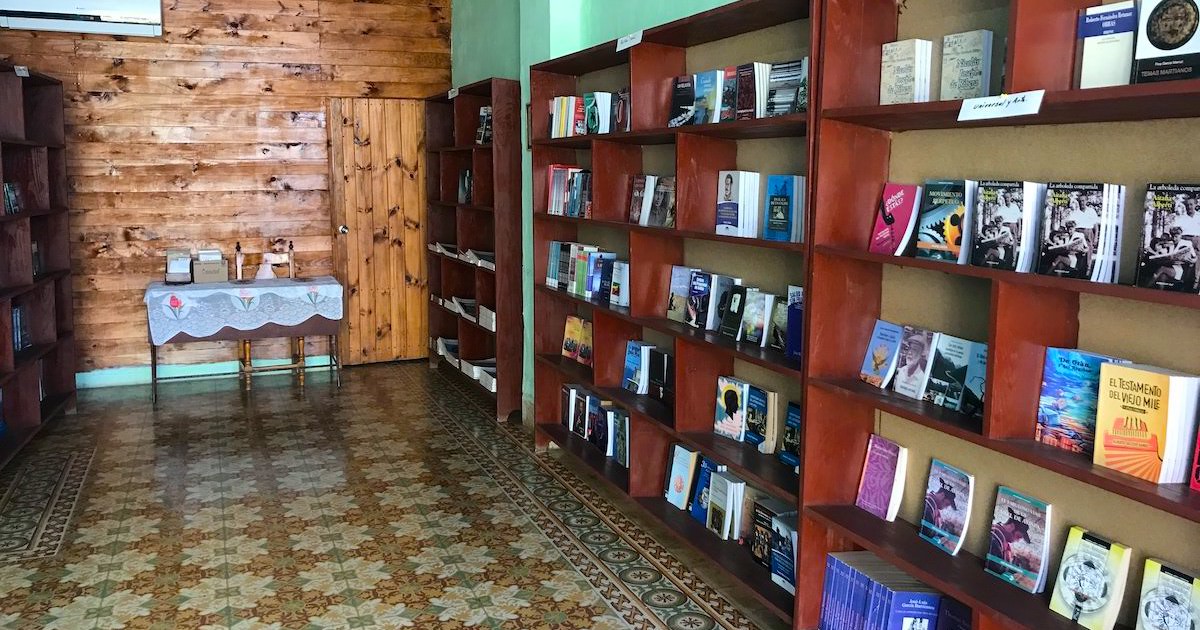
[(878, 476)]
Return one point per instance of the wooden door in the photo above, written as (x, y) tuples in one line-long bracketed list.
[(377, 190)]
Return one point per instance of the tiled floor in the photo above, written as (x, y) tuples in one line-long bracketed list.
[(393, 502)]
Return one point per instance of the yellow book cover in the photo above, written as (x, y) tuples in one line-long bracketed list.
[(1091, 580), (572, 333), (1131, 420), (1170, 598), (585, 343)]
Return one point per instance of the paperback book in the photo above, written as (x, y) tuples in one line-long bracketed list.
[(683, 97), (1070, 230), (1017, 545), (947, 510), (783, 551), (730, 324), (1106, 35), (662, 205), (679, 480), (882, 352), (732, 397), (1170, 238), (1006, 216), (881, 485), (1170, 597), (698, 506), (1168, 44), (1146, 421), (944, 225), (898, 210), (724, 504), (1091, 580), (1066, 416), (783, 216), (762, 418), (911, 377), (948, 372), (737, 203), (973, 393), (699, 292), (787, 89), (966, 65), (789, 448), (752, 80), (765, 510), (905, 72), (677, 298), (757, 310), (709, 87)]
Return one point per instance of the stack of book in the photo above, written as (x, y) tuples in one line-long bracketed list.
[(927, 365), (745, 92), (863, 591), (22, 339), (483, 133), (908, 68), (466, 308), (738, 214), (479, 258), (577, 340), (597, 420), (649, 371), (448, 349), (737, 203), (588, 272), (1104, 48), (570, 191), (487, 318), (652, 201), (716, 302), (1170, 238), (445, 249), (905, 72), (592, 113), (1080, 231), (478, 369)]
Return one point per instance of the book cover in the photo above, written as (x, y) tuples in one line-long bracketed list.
[(579, 424), (1066, 415), (1017, 544), (1104, 53), (620, 111), (632, 373), (999, 207), (901, 78), (882, 351), (1071, 221), (700, 286), (707, 103), (745, 92), (1091, 580), (1133, 421), (777, 326), (591, 113), (947, 509), (787, 89), (621, 440), (948, 372), (781, 211), (598, 424), (662, 209), (941, 225), (637, 192), (662, 376), (795, 322), (754, 317), (683, 98), (1168, 46), (882, 478), (595, 415), (757, 412), (698, 506), (766, 509), (966, 65), (720, 297), (896, 219), (679, 481), (729, 213), (953, 615), (783, 552), (1170, 238), (914, 362), (972, 398), (567, 404), (677, 297), (572, 336), (789, 450), (729, 94), (585, 343), (731, 319), (718, 517), (731, 408), (1170, 598)]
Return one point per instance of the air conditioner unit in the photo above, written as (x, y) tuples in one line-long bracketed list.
[(103, 17)]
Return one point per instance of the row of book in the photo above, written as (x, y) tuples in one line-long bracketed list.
[(482, 370), (1137, 419), (721, 303), (908, 69), (748, 413), (739, 198), (569, 190), (590, 114), (1143, 42), (588, 272), (13, 199), (22, 338), (734, 510), (468, 309), (744, 92), (862, 591), (649, 371), (927, 365), (1061, 229), (479, 258), (599, 421), (652, 201), (577, 340)]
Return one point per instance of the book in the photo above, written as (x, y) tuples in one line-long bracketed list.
[(1168, 46), (619, 296), (765, 509), (947, 510), (881, 485), (966, 65), (1066, 416), (911, 376), (737, 203), (1170, 238), (976, 383), (621, 110), (724, 503), (1170, 597), (794, 339), (570, 397), (1091, 580), (1005, 219), (730, 419), (1194, 477), (483, 133), (861, 590), (700, 288), (756, 313), (783, 551), (777, 326), (679, 479), (787, 88), (597, 431), (1146, 421), (898, 210), (1017, 543), (677, 296), (879, 364), (698, 505), (637, 360), (585, 343), (709, 86), (598, 108), (662, 377), (621, 439), (730, 324), (948, 372), (683, 97), (953, 615), (662, 206), (720, 297), (752, 80), (1105, 37), (943, 227), (729, 94), (789, 448), (1070, 229), (783, 214), (905, 72), (761, 418), (572, 337)]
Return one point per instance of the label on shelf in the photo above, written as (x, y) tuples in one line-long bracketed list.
[(22, 71), (1002, 106), (629, 41), (452, 93)]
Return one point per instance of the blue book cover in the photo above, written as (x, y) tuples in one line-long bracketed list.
[(880, 361), (756, 416), (592, 288), (699, 503), (783, 555), (593, 416), (912, 608), (953, 615), (795, 322), (858, 600), (552, 264), (708, 95), (826, 620), (779, 211), (789, 451), (604, 296), (1067, 407), (631, 377)]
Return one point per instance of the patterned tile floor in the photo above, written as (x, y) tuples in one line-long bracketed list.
[(393, 502)]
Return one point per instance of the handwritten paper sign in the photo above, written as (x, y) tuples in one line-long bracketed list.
[(452, 93), (629, 41), (1003, 106), (22, 71)]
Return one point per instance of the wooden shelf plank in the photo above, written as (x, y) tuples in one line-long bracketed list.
[(731, 557), (575, 371), (459, 261), (46, 278), (790, 126), (799, 248), (446, 368), (1143, 101), (934, 416), (606, 468), (643, 405), (1121, 291)]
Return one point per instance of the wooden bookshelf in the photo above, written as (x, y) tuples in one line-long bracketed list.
[(490, 222), (32, 158)]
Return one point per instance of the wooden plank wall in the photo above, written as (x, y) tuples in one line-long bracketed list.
[(215, 133)]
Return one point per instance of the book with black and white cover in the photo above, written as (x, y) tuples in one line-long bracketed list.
[(787, 88), (1168, 41), (966, 65), (620, 111), (678, 292), (1006, 217), (683, 97), (724, 503), (662, 205), (730, 203), (720, 297), (905, 72), (1071, 229), (1105, 38), (756, 317), (948, 372), (1170, 238), (641, 195), (661, 373), (730, 323), (752, 80), (914, 362)]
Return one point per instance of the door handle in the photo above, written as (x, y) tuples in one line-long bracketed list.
[(343, 229)]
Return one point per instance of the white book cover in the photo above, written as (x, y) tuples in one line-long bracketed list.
[(730, 200), (1031, 216), (1106, 34), (915, 360), (898, 72), (750, 197), (1168, 42), (966, 65), (648, 199)]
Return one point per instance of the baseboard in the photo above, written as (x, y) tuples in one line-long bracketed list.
[(140, 375)]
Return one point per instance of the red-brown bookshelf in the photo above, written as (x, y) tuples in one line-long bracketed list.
[(37, 383), (490, 222)]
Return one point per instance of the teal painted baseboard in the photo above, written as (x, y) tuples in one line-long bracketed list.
[(140, 375)]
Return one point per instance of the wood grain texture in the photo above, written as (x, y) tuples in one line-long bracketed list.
[(216, 132)]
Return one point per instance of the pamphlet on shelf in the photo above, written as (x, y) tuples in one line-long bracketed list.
[(629, 41)]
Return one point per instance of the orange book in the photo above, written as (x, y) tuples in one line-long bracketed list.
[(1145, 417)]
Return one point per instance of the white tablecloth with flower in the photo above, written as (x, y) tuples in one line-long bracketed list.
[(200, 310)]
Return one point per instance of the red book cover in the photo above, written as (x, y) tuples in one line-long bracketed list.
[(579, 119), (1196, 467), (896, 218)]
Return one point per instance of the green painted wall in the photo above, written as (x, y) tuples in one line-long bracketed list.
[(547, 29)]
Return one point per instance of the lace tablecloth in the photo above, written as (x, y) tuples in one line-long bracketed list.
[(201, 310)]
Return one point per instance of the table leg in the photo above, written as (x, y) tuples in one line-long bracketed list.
[(300, 359), (153, 372), (335, 361), (247, 363)]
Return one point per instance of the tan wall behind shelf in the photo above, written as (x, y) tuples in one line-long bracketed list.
[(211, 134)]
